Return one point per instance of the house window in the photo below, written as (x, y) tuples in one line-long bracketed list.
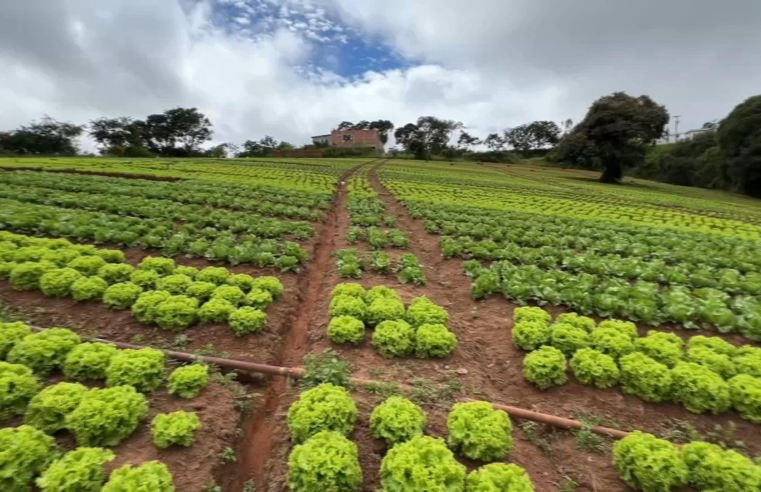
[(347, 138)]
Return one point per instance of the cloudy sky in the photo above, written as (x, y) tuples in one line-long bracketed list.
[(296, 68)]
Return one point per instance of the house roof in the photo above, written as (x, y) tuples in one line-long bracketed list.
[(321, 136)]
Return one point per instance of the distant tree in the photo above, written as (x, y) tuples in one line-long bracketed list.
[(494, 141), (362, 125), (614, 134), (285, 146), (178, 131), (46, 137), (262, 148), (384, 127), (739, 136), (466, 141), (567, 126), (430, 136), (533, 136), (218, 151), (345, 125)]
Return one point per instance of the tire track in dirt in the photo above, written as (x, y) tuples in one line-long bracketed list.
[(259, 433)]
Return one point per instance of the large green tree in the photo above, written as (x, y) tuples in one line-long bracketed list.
[(176, 132), (44, 137), (739, 136), (429, 136), (614, 134), (533, 136)]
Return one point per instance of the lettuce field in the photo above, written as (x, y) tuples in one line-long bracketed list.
[(439, 325)]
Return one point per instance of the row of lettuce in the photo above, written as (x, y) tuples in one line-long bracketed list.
[(352, 264), (98, 418), (708, 375), (158, 291), (367, 216), (420, 329), (325, 459)]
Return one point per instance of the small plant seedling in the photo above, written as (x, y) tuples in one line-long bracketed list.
[(228, 455), (325, 368), (588, 441)]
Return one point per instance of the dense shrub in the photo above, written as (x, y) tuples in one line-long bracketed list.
[(479, 431), (647, 463), (745, 392), (27, 275), (188, 381), (105, 417), (612, 342), (433, 340), (423, 311), (422, 463), (381, 292), (568, 338), (243, 281), (259, 299), (397, 420), (665, 348), (89, 289), (58, 282), (80, 470), (25, 452), (343, 305), (499, 477), (346, 329), (144, 308), (88, 361), (384, 310), (142, 369), (325, 461), (151, 476), (644, 377), (576, 320), (527, 313), (325, 407), (116, 273), (394, 339), (146, 279), (530, 335), (48, 409), (122, 296), (216, 310), (176, 428), (201, 290), (215, 275), (45, 351), (545, 367), (174, 284), (714, 469), (699, 389), (190, 271), (17, 386), (87, 265), (10, 334), (626, 327), (270, 284), (719, 363), (247, 320), (348, 289), (162, 266), (176, 313), (595, 368)]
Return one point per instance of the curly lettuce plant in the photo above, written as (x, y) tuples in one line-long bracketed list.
[(188, 381), (545, 367), (745, 392), (27, 275), (176, 428), (216, 310), (665, 348), (422, 463), (270, 284), (243, 281), (122, 296), (17, 387), (190, 271), (88, 289), (422, 311), (116, 273), (45, 351), (324, 407), (526, 313), (247, 320), (162, 266), (325, 461), (176, 313), (748, 361), (142, 369), (87, 265), (105, 417), (58, 282), (174, 284), (612, 342), (576, 320), (346, 329), (378, 292), (234, 295), (88, 361), (215, 275), (530, 335), (394, 339), (25, 452), (384, 310), (259, 299), (699, 389), (712, 468), (146, 279), (568, 338), (397, 420), (433, 340), (595, 368), (499, 477), (626, 327), (716, 344), (348, 289), (479, 431), (343, 305), (647, 463), (10, 334), (151, 475), (81, 470), (721, 364), (144, 308), (201, 290), (645, 377), (48, 409)]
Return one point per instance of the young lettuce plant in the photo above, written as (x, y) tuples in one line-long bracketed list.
[(595, 368), (422, 463), (499, 477), (346, 329), (175, 429), (324, 407), (325, 461), (129, 478), (433, 340), (645, 462), (188, 381), (397, 420), (394, 339), (480, 431), (81, 470), (105, 417), (88, 361), (45, 351), (17, 386), (545, 367), (48, 409), (26, 452), (142, 369), (713, 468)]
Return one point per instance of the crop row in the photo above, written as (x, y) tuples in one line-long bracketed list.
[(351, 264), (157, 291), (711, 375), (367, 215)]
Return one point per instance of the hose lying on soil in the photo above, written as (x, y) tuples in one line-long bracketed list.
[(298, 372)]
